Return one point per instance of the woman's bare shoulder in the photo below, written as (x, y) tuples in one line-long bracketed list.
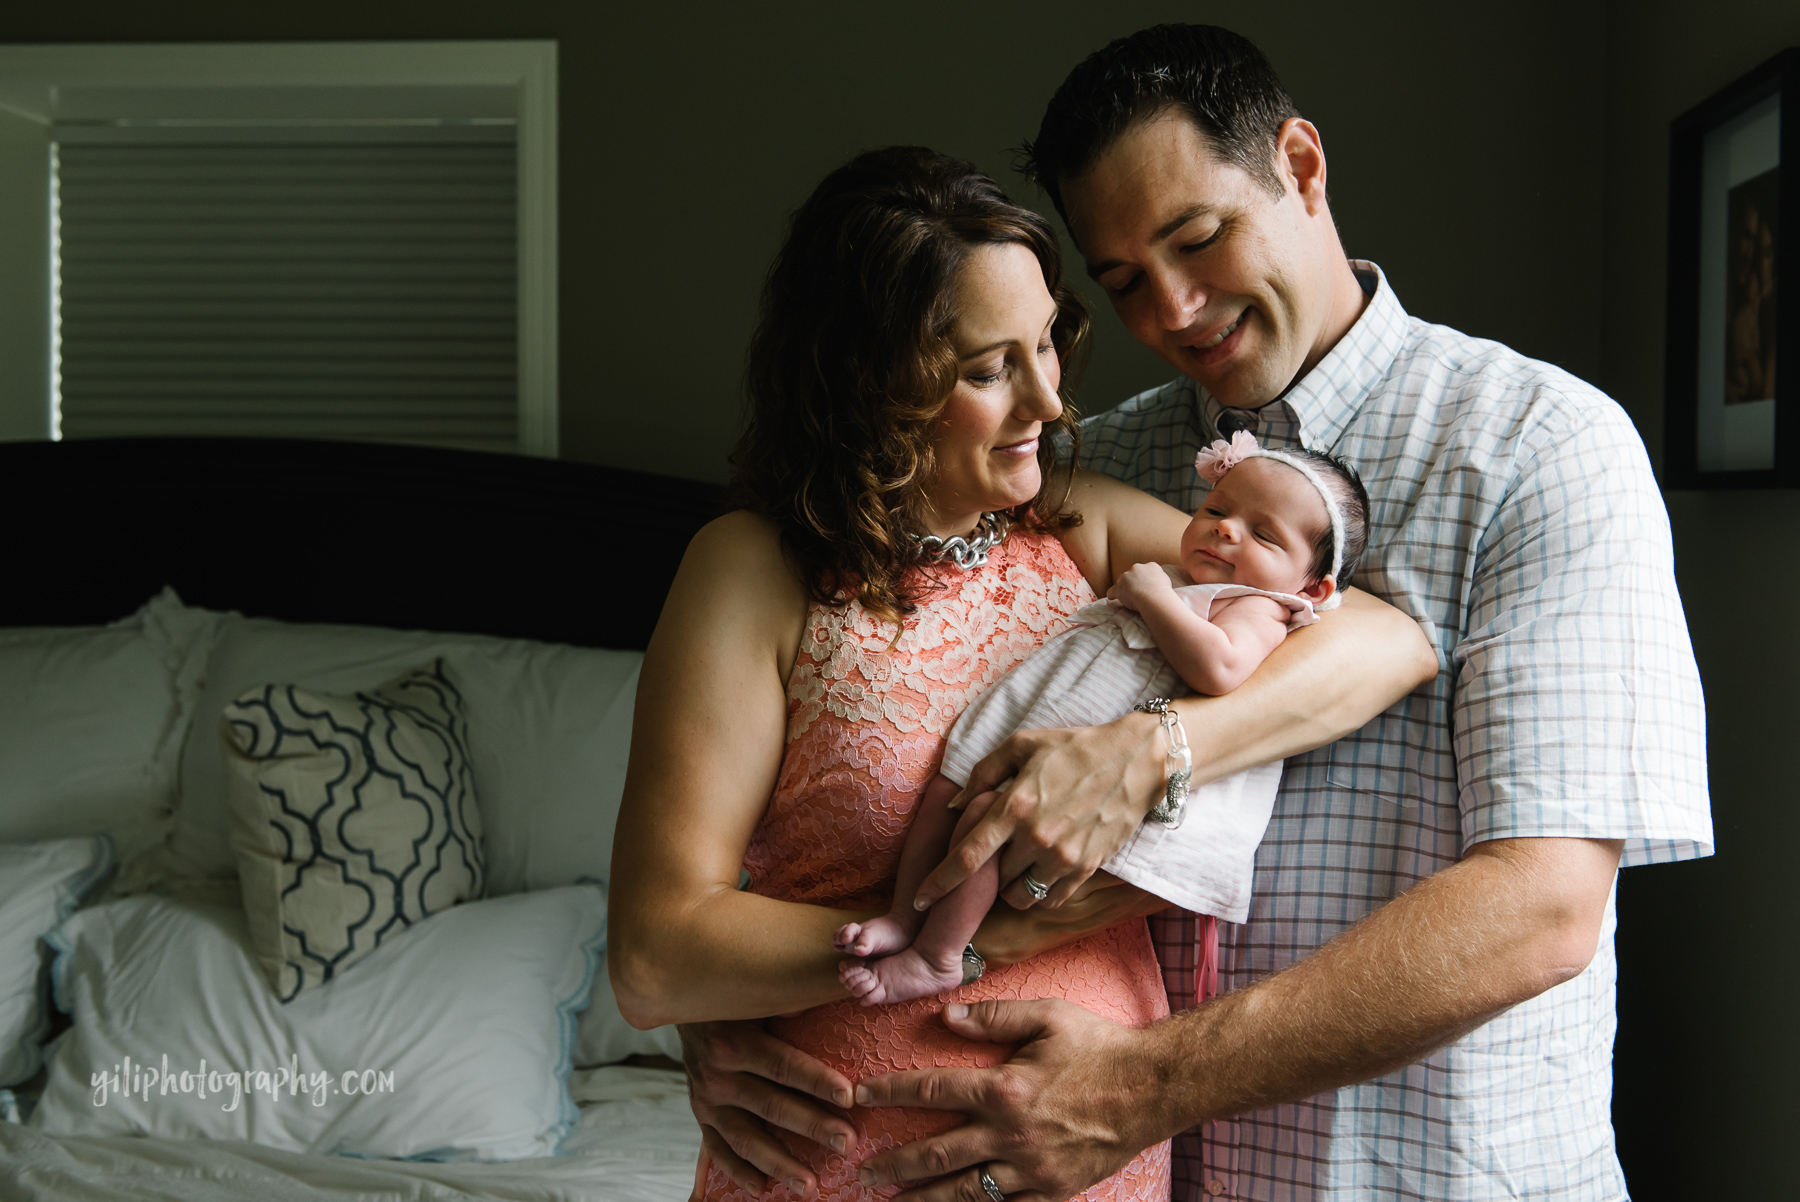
[(737, 582), (740, 527), (745, 544)]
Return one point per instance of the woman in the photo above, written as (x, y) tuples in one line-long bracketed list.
[(904, 385)]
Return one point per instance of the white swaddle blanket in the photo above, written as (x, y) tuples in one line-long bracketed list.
[(1096, 671)]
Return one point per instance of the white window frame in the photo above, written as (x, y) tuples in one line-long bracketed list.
[(31, 77)]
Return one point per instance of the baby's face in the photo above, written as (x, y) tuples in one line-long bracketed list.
[(1257, 528)]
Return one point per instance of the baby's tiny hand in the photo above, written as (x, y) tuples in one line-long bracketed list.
[(1140, 581)]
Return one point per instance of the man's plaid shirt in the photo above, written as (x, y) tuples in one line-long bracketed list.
[(1515, 517)]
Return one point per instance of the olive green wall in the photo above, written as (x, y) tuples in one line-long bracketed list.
[(1462, 147), (1708, 1051)]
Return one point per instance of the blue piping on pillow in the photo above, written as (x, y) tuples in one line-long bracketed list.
[(66, 902), (59, 967), (69, 893), (77, 887), (567, 1012)]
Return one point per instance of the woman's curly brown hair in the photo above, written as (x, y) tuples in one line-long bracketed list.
[(852, 363)]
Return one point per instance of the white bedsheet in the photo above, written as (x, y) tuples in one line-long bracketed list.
[(636, 1142)]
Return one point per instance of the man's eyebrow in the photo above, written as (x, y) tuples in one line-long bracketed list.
[(1096, 270)]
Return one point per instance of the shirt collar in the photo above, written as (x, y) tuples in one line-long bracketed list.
[(1320, 406), (1329, 395)]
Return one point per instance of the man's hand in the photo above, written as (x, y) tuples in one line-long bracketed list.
[(1077, 797), (1070, 1108), (1513, 918), (741, 1081)]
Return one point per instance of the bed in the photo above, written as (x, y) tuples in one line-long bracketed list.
[(152, 586)]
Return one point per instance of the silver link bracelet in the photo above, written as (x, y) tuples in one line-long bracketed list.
[(1178, 764)]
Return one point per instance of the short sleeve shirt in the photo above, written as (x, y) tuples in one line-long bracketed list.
[(1514, 516)]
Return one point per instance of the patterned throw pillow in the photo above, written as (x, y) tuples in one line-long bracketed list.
[(351, 818)]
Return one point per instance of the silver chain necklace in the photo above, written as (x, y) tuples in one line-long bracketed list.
[(965, 553)]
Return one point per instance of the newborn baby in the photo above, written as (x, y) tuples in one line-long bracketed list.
[(1268, 547)]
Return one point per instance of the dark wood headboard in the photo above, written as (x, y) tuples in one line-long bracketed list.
[(409, 537)]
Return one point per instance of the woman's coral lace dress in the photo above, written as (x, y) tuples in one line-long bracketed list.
[(866, 727)]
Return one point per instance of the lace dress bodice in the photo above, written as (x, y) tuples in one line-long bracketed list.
[(867, 717), (867, 721)]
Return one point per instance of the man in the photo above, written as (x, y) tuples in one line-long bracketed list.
[(1421, 1003)]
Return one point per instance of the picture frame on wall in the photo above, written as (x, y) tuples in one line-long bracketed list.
[(1733, 349)]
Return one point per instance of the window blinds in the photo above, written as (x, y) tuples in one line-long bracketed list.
[(290, 282)]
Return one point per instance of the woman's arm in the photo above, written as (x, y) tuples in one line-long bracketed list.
[(1323, 682), (684, 945)]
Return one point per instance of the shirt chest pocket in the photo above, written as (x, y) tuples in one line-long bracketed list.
[(1402, 758)]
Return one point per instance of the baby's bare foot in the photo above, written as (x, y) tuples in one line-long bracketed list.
[(898, 978), (877, 937)]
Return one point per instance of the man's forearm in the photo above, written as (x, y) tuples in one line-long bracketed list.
[(1516, 917), (1319, 685), (1081, 1096)]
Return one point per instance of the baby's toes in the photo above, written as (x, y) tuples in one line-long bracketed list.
[(857, 979), (845, 938)]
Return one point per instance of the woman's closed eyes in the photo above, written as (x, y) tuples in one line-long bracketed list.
[(999, 372)]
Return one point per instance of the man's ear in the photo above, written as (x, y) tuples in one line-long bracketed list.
[(1319, 591), (1301, 156)]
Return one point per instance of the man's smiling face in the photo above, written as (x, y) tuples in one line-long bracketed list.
[(1206, 267)]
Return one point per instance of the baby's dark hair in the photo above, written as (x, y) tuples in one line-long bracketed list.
[(1353, 502)]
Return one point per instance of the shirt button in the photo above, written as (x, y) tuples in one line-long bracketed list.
[(1232, 420), (1215, 1187)]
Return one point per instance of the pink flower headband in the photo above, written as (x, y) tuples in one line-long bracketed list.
[(1213, 462)]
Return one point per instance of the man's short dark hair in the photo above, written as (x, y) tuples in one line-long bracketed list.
[(1219, 80)]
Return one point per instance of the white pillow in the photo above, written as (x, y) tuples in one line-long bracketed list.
[(40, 883), (550, 732), (452, 1043), (91, 720)]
